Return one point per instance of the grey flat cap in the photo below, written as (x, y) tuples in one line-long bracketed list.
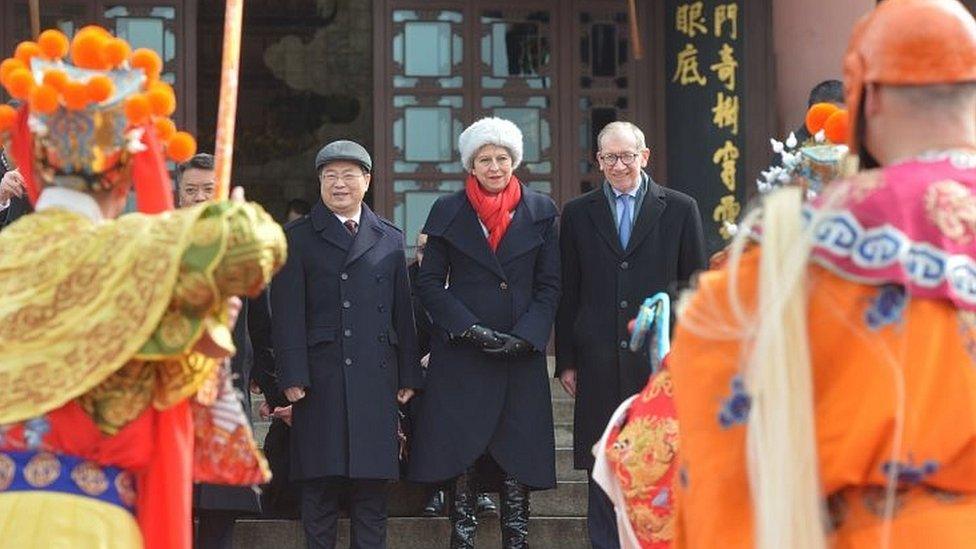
[(343, 150)]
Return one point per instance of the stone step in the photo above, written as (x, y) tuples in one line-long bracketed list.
[(564, 435), (415, 533)]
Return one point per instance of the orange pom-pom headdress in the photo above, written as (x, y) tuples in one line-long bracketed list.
[(93, 122)]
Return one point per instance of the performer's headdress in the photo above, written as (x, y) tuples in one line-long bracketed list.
[(908, 42), (96, 123)]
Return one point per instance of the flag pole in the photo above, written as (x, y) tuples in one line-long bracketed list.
[(227, 110), (35, 18), (634, 32)]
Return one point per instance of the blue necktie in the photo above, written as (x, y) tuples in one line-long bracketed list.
[(625, 221)]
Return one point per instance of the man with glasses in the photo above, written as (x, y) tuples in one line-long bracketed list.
[(620, 243), (345, 349)]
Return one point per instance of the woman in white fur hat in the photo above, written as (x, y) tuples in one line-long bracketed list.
[(490, 282)]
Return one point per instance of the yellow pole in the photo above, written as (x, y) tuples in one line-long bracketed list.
[(634, 33), (227, 110), (35, 18)]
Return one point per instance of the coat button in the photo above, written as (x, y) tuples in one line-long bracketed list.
[(623, 304), (381, 338), (623, 344), (344, 276), (381, 308), (503, 285), (624, 265), (346, 304), (347, 332), (348, 362)]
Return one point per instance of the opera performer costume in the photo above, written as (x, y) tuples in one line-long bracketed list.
[(113, 394), (824, 379)]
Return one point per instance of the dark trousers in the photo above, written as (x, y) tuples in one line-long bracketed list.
[(215, 529), (367, 512), (601, 519)]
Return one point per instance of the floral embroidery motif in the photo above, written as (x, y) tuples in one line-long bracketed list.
[(42, 470), (951, 207), (34, 431), (908, 472), (7, 470), (90, 478), (735, 409), (125, 485), (887, 308)]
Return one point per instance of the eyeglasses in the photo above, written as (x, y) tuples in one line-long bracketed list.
[(347, 178), (626, 158)]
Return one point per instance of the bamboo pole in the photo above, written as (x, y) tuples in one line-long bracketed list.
[(227, 110), (35, 18), (634, 32)]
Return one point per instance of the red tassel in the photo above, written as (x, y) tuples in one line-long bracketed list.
[(23, 147), (154, 190)]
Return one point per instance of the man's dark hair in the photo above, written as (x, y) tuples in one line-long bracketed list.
[(299, 206), (200, 161), (828, 91)]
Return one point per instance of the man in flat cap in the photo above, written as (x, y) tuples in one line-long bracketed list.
[(345, 349)]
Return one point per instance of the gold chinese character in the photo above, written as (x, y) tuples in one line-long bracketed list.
[(727, 157), (726, 66), (726, 112), (726, 212), (687, 71), (689, 19), (727, 13)]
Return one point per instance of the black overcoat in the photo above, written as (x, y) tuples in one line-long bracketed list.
[(342, 326), (474, 404), (603, 285)]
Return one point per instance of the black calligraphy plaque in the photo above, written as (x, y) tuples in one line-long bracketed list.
[(704, 95)]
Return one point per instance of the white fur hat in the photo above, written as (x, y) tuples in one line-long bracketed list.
[(490, 131)]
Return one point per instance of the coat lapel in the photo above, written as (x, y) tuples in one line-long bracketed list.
[(599, 210), (468, 236), (367, 236), (329, 228), (650, 213), (520, 236)]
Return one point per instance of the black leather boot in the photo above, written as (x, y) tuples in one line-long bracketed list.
[(486, 507), (514, 514), (436, 503), (464, 522)]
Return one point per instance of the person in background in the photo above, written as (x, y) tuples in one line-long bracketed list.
[(490, 282), (436, 503), (296, 209), (345, 349), (621, 243), (218, 507)]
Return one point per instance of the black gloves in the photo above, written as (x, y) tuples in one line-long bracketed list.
[(496, 344), (482, 338), (512, 347)]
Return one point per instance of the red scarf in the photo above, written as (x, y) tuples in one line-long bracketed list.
[(494, 209)]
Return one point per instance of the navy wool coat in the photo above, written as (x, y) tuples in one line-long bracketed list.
[(343, 328), (603, 287), (474, 404)]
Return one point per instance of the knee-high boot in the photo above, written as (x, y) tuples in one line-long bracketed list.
[(514, 514), (464, 520)]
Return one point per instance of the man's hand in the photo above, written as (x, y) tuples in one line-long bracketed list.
[(568, 381), (264, 411), (284, 414), (404, 396), (294, 394), (11, 185)]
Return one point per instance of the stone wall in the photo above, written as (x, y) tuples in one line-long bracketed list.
[(306, 79)]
